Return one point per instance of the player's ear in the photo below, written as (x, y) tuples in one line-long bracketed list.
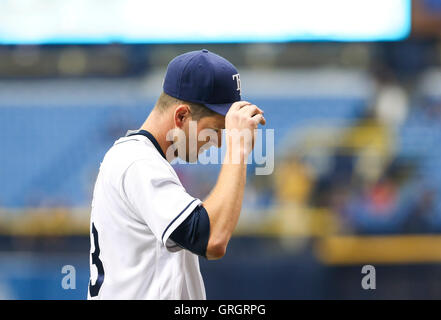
[(182, 114)]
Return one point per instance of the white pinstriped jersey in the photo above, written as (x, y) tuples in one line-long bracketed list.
[(138, 202)]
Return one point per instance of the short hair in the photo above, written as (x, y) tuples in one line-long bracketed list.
[(198, 110)]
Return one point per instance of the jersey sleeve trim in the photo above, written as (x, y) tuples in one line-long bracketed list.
[(179, 219)]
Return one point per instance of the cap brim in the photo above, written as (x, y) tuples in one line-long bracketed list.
[(221, 109)]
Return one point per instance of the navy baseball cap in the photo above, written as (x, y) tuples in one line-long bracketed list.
[(203, 77)]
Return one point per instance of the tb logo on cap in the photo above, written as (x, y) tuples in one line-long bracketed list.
[(237, 78)]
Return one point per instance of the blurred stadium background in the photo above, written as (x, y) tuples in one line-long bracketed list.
[(357, 177)]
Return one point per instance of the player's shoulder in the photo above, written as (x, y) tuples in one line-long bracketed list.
[(133, 151)]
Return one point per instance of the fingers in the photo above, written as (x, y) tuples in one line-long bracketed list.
[(242, 104), (250, 110), (238, 105), (259, 118), (261, 111), (243, 114)]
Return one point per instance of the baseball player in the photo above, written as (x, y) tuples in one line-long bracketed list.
[(146, 230)]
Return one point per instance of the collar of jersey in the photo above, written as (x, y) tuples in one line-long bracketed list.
[(149, 136)]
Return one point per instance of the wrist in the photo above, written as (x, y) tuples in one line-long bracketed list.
[(236, 154)]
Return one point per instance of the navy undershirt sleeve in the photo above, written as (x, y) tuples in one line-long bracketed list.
[(193, 233)]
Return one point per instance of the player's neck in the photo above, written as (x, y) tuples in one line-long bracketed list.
[(157, 126)]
